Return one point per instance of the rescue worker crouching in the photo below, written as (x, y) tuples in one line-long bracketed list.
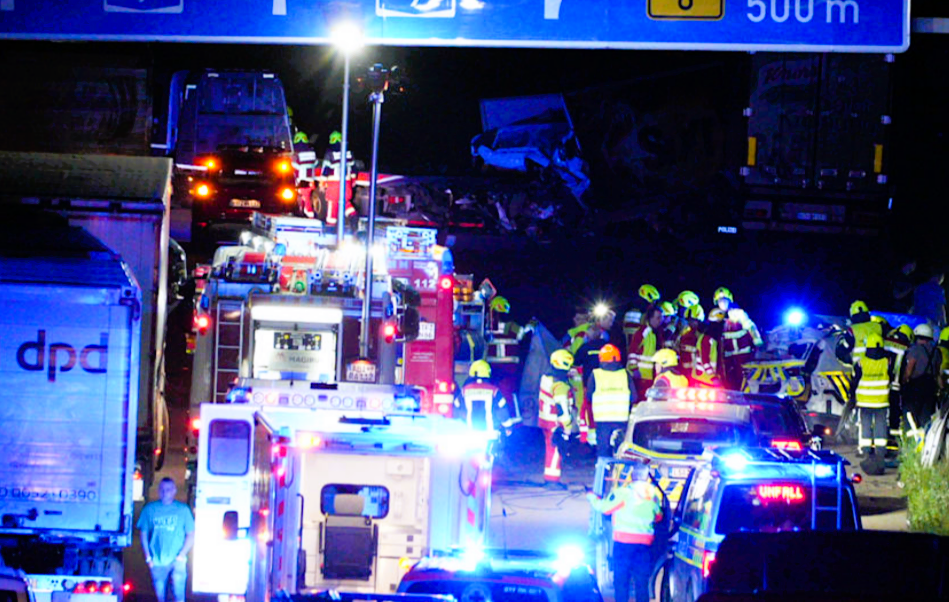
[(480, 402), (667, 364), (635, 509), (612, 391), (873, 401), (555, 414)]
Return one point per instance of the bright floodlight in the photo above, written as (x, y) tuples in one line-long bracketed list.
[(735, 461), (569, 557), (600, 310), (347, 37), (795, 317)]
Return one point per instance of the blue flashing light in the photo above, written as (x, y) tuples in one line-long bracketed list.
[(280, 250), (238, 395), (569, 557), (822, 471), (473, 555), (795, 317), (735, 461), (448, 262)]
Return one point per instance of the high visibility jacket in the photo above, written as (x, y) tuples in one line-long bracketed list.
[(554, 401), (860, 331), (576, 337), (641, 352), (686, 346), (897, 349), (944, 364), (482, 405), (671, 379), (635, 508), (873, 390), (705, 361), (611, 395), (736, 339)]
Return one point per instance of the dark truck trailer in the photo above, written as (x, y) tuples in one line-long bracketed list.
[(818, 126)]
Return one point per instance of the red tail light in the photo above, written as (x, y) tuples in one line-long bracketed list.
[(707, 561), (446, 283), (105, 588), (787, 444), (195, 424), (126, 587), (388, 332), (443, 409)]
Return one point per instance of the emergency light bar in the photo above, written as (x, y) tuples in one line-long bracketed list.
[(690, 394), (764, 461)]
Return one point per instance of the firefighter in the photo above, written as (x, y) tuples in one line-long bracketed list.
[(667, 365), (723, 298), (944, 357), (555, 414), (642, 349), (705, 366), (612, 391), (872, 395), (670, 324), (586, 360), (576, 336), (861, 325), (687, 342), (635, 508), (896, 342), (738, 346), (504, 333), (480, 403)]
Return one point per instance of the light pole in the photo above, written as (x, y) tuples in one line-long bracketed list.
[(378, 82), (347, 38)]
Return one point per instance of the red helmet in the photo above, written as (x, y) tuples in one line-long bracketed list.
[(609, 353)]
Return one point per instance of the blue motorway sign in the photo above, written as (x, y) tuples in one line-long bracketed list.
[(785, 25)]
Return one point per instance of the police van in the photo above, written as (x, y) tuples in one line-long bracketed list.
[(762, 490)]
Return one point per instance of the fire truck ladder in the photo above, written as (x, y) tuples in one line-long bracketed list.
[(229, 340)]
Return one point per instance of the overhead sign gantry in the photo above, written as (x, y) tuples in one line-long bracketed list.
[(739, 25)]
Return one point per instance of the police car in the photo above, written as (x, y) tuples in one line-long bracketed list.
[(492, 575), (763, 490), (674, 427)]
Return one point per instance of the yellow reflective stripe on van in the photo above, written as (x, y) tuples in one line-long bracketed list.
[(647, 452)]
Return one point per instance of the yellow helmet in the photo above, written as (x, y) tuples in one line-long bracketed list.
[(687, 299), (561, 359), (858, 307), (667, 308), (649, 293), (480, 369), (874, 340), (666, 358), (695, 313), (500, 304), (906, 330), (716, 315), (722, 293), (944, 334)]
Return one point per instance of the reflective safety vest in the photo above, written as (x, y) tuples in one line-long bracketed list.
[(635, 508), (671, 379), (611, 395), (897, 349), (554, 402), (705, 361), (484, 406), (860, 332), (736, 339), (641, 352), (687, 346), (873, 390)]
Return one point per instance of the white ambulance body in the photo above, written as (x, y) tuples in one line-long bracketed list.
[(308, 486)]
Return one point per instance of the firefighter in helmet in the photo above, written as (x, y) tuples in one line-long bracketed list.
[(556, 411), (667, 365)]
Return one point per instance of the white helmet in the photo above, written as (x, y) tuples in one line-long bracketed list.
[(924, 330)]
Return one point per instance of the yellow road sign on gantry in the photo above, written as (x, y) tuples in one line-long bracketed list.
[(686, 10)]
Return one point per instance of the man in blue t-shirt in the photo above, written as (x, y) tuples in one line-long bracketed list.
[(167, 532)]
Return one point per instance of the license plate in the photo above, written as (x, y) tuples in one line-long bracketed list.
[(250, 203), (679, 472), (426, 331)]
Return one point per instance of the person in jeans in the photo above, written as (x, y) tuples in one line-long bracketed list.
[(166, 527)]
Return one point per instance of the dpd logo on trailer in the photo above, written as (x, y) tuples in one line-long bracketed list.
[(62, 356)]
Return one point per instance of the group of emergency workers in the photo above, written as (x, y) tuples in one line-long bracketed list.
[(899, 377)]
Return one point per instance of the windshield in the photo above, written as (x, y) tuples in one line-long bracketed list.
[(772, 419), (241, 94), (779, 506), (685, 435)]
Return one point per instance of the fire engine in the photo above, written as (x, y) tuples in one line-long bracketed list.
[(274, 306), (305, 486)]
